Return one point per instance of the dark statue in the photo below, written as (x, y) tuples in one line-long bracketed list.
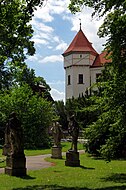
[(57, 133), (72, 155), (13, 136), (73, 130), (13, 147)]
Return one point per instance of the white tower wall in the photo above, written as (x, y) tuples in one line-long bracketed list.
[(77, 64)]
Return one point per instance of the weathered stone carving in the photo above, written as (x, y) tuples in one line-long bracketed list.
[(57, 133), (73, 130), (13, 148)]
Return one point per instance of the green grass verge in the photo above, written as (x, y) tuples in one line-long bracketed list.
[(2, 159), (65, 147), (92, 175)]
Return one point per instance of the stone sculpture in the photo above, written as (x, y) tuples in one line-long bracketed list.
[(72, 155), (73, 130), (13, 148), (57, 135)]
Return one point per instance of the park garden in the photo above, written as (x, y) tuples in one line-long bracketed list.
[(93, 173), (101, 115)]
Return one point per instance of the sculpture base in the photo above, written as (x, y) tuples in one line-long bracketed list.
[(16, 165), (72, 159), (56, 152)]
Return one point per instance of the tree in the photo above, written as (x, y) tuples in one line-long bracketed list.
[(40, 83), (100, 7), (61, 113), (108, 133), (15, 45), (77, 107), (15, 36), (34, 112)]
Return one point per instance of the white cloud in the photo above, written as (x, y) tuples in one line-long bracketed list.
[(67, 17), (45, 35), (40, 26), (56, 39), (50, 47), (40, 41), (35, 58), (62, 46), (59, 82), (42, 33), (56, 95), (43, 14), (47, 12), (52, 59)]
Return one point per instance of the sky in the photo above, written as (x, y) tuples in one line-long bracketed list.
[(54, 29)]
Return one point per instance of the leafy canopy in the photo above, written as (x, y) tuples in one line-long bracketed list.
[(107, 135), (15, 37), (34, 112), (100, 6)]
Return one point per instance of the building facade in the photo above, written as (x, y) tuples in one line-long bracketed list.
[(82, 66)]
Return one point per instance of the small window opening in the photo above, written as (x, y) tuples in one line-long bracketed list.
[(80, 79), (69, 82)]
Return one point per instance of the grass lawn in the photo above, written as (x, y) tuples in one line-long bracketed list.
[(65, 147), (93, 174), (2, 159)]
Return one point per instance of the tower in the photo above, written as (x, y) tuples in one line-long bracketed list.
[(79, 65)]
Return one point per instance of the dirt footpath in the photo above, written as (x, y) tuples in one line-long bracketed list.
[(37, 162)]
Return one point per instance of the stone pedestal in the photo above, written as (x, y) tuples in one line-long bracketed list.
[(72, 159), (16, 165), (56, 152)]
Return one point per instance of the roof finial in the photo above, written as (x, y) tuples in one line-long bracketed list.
[(80, 23)]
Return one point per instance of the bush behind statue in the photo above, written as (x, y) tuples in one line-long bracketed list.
[(35, 114)]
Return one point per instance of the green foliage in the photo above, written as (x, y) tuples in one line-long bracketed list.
[(34, 112), (15, 46), (100, 6), (15, 38), (15, 35), (61, 113), (107, 135), (39, 82), (80, 108)]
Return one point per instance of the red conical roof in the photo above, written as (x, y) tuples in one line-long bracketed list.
[(80, 44)]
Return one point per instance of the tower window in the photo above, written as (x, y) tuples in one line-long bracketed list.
[(80, 55), (80, 79), (69, 82)]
